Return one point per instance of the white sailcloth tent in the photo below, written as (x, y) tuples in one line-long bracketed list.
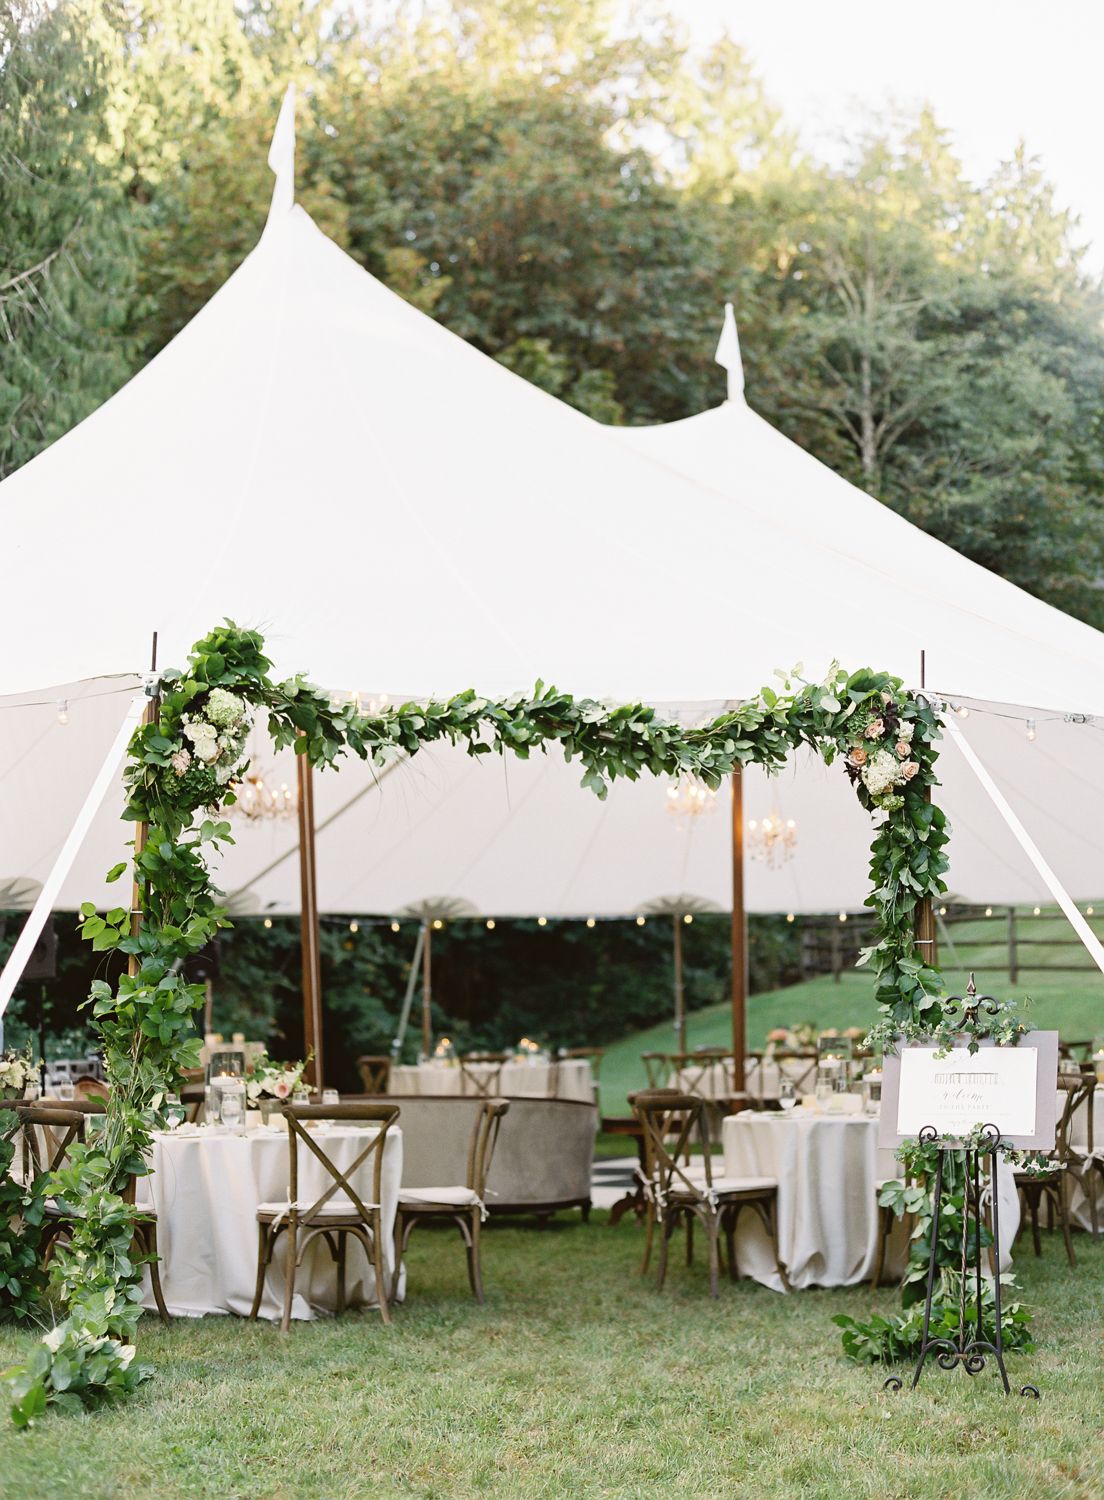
[(401, 515)]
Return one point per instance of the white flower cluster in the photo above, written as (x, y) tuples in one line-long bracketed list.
[(217, 737), (17, 1070), (269, 1080)]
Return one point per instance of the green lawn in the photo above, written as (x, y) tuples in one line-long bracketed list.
[(578, 1379), (1070, 1003)]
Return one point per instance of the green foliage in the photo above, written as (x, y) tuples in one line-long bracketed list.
[(21, 1215), (882, 1340), (66, 256)]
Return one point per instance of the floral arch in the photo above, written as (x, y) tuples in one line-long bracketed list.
[(181, 762)]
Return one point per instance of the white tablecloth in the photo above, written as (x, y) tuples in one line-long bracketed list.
[(1079, 1138), (206, 1188), (827, 1169), (571, 1079)]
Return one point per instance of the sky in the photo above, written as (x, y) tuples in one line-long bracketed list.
[(994, 73)]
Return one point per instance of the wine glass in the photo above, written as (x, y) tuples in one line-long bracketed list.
[(787, 1094)]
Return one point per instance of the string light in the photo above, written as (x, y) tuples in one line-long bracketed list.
[(1088, 911), (394, 926), (63, 711), (590, 921), (843, 916), (942, 911), (962, 711), (542, 921), (640, 921), (1036, 911), (988, 911), (688, 918), (354, 926), (1031, 729), (490, 924), (437, 923), (789, 916), (268, 921)]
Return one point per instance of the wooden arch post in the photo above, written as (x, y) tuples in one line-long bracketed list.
[(926, 946), (309, 929), (739, 939)]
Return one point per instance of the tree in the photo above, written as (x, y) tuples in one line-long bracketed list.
[(66, 259)]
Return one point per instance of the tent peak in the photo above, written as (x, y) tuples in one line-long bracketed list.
[(728, 355), (281, 158)]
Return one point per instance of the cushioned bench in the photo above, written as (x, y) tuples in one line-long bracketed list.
[(542, 1162)]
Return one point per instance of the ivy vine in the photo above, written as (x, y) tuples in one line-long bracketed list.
[(182, 765)]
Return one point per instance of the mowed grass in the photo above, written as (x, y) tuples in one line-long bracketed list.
[(1072, 1004), (578, 1379)]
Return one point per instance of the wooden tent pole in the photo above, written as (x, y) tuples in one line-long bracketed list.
[(739, 939), (427, 991), (926, 946), (309, 928), (680, 1006), (150, 715)]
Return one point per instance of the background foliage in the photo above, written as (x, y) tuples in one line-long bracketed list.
[(578, 201), (564, 983)]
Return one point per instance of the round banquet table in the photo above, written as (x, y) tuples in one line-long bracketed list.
[(828, 1169), (206, 1185), (573, 1078)]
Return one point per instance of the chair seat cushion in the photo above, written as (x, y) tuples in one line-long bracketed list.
[(337, 1207), (721, 1185), (438, 1197)]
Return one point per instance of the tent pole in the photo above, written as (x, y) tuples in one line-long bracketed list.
[(427, 991), (150, 715), (408, 997), (680, 1009), (739, 940), (309, 930), (925, 917)]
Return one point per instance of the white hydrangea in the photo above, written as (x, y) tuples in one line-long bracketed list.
[(880, 774), (226, 710)]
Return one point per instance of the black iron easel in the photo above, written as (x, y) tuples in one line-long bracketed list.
[(969, 1348)]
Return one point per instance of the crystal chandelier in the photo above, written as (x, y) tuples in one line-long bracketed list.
[(689, 797), (772, 838), (260, 797)]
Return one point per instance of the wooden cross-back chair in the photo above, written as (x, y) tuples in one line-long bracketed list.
[(693, 1073), (44, 1138), (593, 1055), (681, 1189), (375, 1073), (1080, 1052), (1051, 1187), (68, 1122), (338, 1212), (481, 1073), (464, 1204), (798, 1064), (656, 1069)]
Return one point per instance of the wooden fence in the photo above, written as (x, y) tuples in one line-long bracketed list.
[(831, 946)]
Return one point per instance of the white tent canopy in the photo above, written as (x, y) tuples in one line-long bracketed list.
[(401, 514)]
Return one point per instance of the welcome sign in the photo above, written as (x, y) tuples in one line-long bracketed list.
[(1013, 1088)]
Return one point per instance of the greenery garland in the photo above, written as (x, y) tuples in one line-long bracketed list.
[(184, 763)]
